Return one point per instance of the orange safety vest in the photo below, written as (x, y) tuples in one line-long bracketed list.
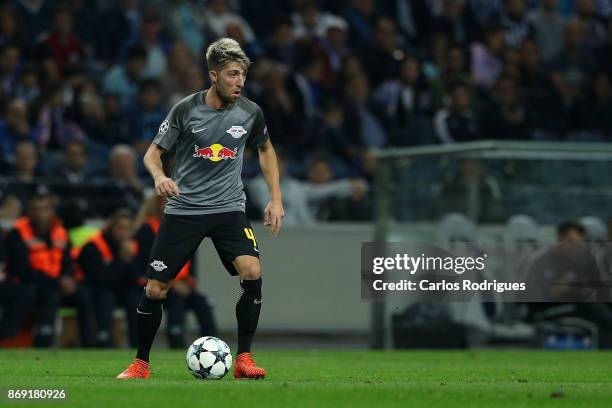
[(107, 255), (154, 222), (46, 259), (78, 272), (102, 246)]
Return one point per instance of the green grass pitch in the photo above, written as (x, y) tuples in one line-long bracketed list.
[(322, 378)]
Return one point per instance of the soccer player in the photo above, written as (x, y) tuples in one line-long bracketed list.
[(209, 130)]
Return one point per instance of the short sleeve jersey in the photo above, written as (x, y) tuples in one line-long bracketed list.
[(210, 147)]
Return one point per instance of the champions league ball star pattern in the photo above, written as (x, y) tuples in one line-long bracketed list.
[(209, 358)]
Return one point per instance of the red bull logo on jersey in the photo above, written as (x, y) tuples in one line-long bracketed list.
[(215, 152)]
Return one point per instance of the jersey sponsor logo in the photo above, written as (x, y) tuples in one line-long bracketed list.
[(158, 265), (236, 131), (215, 152), (163, 128), (194, 130), (257, 301)]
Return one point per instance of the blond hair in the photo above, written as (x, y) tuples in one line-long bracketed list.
[(224, 51)]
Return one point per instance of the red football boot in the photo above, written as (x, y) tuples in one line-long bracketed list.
[(138, 369), (245, 367)]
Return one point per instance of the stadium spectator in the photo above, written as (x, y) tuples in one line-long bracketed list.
[(88, 111), (595, 31), (381, 56), (455, 22), (282, 115), (116, 27), (38, 254), (334, 36), (305, 85), (25, 168), (15, 128), (234, 30), (548, 26), (470, 191), (108, 264), (180, 61), (413, 19), (309, 201), (10, 205), (28, 87), (364, 126), (515, 23), (56, 128), (434, 60), (145, 116), (279, 46), (486, 62), (574, 65), (219, 15), (74, 168), (10, 56), (486, 11), (191, 81), (184, 295), (157, 47), (455, 71), (591, 118), (458, 122), (61, 45), (115, 127), (122, 80), (505, 116), (11, 28), (185, 21), (360, 15), (348, 201), (331, 134), (309, 22), (407, 102), (541, 99), (15, 300), (35, 16), (563, 277), (125, 188)]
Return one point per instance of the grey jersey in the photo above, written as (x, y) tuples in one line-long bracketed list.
[(210, 145)]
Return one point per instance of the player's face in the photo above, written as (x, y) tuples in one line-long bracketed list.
[(229, 81)]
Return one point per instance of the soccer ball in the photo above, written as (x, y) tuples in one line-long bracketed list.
[(209, 358)]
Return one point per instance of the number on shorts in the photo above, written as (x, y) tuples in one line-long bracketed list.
[(250, 235)]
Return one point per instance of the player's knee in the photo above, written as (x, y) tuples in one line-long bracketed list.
[(250, 271), (156, 290)]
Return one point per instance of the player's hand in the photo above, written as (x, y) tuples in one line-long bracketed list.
[(273, 216), (166, 187), (67, 285)]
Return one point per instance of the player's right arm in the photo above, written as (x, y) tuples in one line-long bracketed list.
[(164, 185), (169, 132)]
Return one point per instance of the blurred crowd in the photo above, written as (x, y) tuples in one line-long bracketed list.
[(84, 86), (51, 262)]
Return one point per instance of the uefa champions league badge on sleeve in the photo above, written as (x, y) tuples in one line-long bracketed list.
[(163, 128)]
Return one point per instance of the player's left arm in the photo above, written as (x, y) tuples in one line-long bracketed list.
[(274, 212)]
